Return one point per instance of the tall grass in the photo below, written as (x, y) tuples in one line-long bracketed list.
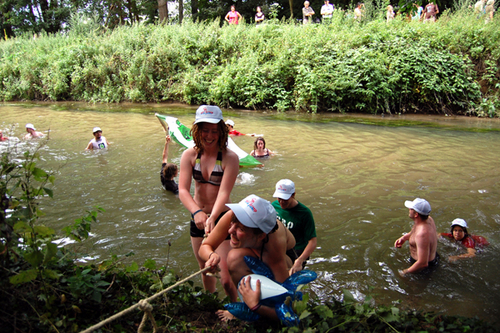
[(450, 66)]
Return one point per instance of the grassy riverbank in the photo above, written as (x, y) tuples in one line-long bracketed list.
[(451, 66)]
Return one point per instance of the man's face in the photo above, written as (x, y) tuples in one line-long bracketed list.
[(97, 134), (412, 213), (286, 204)]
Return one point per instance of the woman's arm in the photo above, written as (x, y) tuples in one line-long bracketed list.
[(214, 239), (471, 253), (231, 168), (227, 17), (185, 176), (165, 150)]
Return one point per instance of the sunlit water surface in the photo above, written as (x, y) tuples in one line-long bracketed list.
[(354, 177)]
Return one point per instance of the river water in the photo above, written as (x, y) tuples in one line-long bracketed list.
[(354, 177)]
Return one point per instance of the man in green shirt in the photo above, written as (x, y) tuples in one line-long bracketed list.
[(298, 219)]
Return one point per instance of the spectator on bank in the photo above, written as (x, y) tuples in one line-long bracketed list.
[(460, 235), (390, 13), (358, 12), (259, 16), (431, 10), (479, 8), (32, 132), (418, 12), (489, 10), (327, 12), (233, 17), (307, 13)]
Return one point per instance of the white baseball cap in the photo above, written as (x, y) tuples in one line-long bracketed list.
[(230, 122), (208, 114), (31, 126), (284, 189), (419, 205), (459, 222), (96, 129), (255, 212)]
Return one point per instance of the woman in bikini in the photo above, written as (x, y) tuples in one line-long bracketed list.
[(259, 148), (254, 232), (214, 169)]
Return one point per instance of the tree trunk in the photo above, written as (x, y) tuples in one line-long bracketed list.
[(290, 2), (181, 10), (163, 11), (194, 9)]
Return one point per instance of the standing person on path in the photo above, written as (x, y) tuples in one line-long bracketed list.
[(259, 17), (299, 220), (431, 10), (214, 169), (307, 13), (98, 142), (168, 170), (233, 17), (422, 237), (327, 12)]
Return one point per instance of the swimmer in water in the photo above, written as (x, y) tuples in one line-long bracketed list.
[(460, 235)]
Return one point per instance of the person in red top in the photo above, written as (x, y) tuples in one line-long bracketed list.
[(459, 234), (233, 132), (233, 17), (430, 12)]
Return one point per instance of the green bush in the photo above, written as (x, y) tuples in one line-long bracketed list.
[(450, 66)]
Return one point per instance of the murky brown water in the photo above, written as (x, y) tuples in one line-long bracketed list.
[(354, 177)]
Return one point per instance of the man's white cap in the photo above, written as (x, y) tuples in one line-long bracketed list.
[(419, 205), (284, 189), (255, 212), (459, 222), (230, 122), (208, 114), (96, 129), (31, 126)]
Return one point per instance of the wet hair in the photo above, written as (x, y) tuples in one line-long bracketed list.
[(257, 140), (464, 229), (221, 129), (169, 171)]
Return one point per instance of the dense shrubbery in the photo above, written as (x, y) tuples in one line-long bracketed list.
[(451, 66)]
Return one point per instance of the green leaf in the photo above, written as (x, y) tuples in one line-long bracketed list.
[(150, 264), (43, 231), (50, 253), (49, 192), (34, 258), (304, 314), (24, 276), (348, 297), (133, 267), (51, 274), (323, 311), (37, 172)]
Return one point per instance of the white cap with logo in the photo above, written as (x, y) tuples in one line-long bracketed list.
[(284, 189), (230, 122), (208, 114), (459, 222), (419, 205), (255, 212), (31, 126)]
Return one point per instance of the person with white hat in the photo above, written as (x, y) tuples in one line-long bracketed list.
[(460, 235), (299, 220), (422, 237), (214, 169), (254, 232), (99, 141), (233, 132), (32, 132)]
